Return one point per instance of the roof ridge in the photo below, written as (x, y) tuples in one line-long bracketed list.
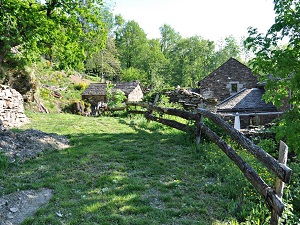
[(233, 96)]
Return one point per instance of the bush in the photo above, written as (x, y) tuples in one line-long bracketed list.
[(81, 86)]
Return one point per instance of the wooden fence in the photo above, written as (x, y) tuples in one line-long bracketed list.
[(272, 196)]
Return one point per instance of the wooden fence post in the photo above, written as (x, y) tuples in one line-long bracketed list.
[(279, 184)]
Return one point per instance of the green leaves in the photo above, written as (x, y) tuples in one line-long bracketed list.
[(60, 30), (279, 65)]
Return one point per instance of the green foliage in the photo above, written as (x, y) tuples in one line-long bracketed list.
[(131, 74), (105, 63), (169, 39), (132, 45), (45, 93), (227, 49), (81, 86), (115, 98), (289, 129), (61, 32), (191, 60), (269, 146), (279, 65), (151, 95)]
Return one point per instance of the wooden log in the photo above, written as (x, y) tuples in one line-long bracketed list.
[(171, 123), (267, 192), (121, 108), (279, 169), (136, 111), (175, 112), (170, 111), (41, 107), (279, 185)]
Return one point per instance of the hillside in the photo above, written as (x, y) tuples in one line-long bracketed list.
[(45, 89)]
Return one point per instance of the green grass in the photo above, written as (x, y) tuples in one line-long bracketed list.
[(129, 171)]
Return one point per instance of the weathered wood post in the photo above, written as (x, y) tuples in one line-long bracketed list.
[(279, 184)]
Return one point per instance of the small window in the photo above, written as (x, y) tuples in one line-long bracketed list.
[(234, 88)]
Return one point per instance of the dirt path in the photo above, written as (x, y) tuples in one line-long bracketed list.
[(22, 146), (16, 207)]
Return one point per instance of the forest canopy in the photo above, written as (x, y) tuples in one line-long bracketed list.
[(87, 37)]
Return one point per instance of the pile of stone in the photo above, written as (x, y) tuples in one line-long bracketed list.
[(11, 108), (190, 100), (29, 144)]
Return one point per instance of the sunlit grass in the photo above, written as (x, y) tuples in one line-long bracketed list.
[(128, 171)]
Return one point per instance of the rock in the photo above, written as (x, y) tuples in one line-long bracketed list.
[(11, 108), (29, 143), (14, 210), (28, 202)]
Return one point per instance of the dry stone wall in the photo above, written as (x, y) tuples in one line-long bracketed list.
[(11, 108), (191, 100)]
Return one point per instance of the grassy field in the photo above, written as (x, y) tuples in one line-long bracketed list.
[(129, 171)]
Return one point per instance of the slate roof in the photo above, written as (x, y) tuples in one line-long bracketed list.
[(100, 88), (95, 89), (247, 100), (229, 69), (218, 83)]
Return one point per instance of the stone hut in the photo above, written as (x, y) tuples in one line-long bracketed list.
[(96, 92), (227, 80), (248, 105), (11, 108)]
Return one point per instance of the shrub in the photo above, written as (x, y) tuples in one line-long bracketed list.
[(81, 86)]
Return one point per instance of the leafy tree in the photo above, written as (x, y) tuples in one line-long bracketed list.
[(132, 44), (61, 30), (105, 63), (169, 38), (154, 64), (191, 60), (115, 98), (131, 74), (279, 65), (118, 27), (227, 49)]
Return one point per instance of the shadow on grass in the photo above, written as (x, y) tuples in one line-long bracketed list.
[(140, 177)]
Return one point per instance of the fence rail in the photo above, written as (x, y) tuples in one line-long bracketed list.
[(283, 173)]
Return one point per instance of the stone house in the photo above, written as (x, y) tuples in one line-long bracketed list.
[(248, 106), (96, 92), (239, 95), (227, 80)]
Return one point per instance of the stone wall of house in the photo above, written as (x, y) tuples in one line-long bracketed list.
[(226, 80), (136, 95), (11, 108), (191, 100)]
